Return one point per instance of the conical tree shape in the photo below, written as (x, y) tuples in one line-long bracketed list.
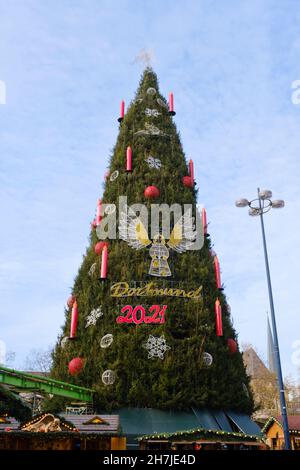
[(179, 378)]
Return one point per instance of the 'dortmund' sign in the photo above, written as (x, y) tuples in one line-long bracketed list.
[(151, 289)]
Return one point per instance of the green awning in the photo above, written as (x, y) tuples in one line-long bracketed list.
[(137, 422), (244, 423), (141, 421), (222, 420), (206, 419)]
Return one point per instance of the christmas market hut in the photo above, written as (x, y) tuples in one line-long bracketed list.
[(274, 432), (60, 432)]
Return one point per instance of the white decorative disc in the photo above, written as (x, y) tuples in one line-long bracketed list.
[(151, 91), (114, 175), (92, 269), (64, 342), (152, 129), (207, 359), (108, 377), (162, 103), (106, 341), (110, 209)]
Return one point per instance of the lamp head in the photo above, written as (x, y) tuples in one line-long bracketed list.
[(242, 202), (277, 204), (265, 194), (253, 211)]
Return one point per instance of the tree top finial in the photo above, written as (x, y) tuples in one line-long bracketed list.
[(145, 56)]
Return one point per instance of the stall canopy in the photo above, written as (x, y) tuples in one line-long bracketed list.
[(137, 422)]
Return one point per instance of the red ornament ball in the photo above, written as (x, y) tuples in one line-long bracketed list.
[(76, 365), (70, 301), (188, 182), (94, 224), (232, 345), (151, 192), (99, 247)]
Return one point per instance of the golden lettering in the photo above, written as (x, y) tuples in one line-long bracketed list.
[(122, 289)]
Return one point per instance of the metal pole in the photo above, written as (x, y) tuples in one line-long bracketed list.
[(275, 337)]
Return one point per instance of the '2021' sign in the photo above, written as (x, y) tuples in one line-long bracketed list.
[(138, 315)]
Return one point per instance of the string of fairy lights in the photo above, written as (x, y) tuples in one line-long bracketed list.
[(200, 433)]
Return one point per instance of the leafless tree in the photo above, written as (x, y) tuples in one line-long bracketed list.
[(39, 360)]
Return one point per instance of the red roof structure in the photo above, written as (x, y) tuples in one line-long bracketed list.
[(294, 422)]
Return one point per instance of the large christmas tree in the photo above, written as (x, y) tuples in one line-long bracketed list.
[(151, 333)]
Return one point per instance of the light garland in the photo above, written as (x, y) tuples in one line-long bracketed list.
[(39, 417), (200, 431), (274, 420), (60, 435), (270, 420)]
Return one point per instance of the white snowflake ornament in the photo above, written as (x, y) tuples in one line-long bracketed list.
[(93, 316), (156, 346), (152, 112), (153, 162)]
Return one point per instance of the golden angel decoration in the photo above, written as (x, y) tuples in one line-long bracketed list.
[(47, 423), (132, 230)]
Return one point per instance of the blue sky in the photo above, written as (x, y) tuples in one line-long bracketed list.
[(66, 68)]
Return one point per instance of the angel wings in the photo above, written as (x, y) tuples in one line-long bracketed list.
[(132, 230)]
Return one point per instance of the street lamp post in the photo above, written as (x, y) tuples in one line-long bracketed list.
[(260, 206)]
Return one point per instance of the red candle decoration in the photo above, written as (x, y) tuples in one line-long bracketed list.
[(74, 320), (217, 273), (76, 365), (188, 182), (191, 167), (204, 222), (218, 313), (151, 192), (98, 213), (104, 261), (232, 345), (99, 247), (71, 301), (129, 159), (122, 111), (171, 104)]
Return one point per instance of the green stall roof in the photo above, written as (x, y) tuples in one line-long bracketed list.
[(244, 423), (137, 422)]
